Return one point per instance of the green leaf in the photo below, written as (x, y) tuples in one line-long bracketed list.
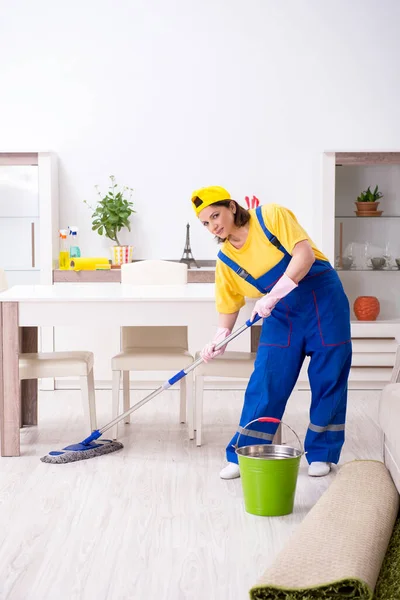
[(112, 210)]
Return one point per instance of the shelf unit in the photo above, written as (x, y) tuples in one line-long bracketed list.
[(344, 177)]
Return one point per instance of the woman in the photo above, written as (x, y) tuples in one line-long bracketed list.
[(266, 254)]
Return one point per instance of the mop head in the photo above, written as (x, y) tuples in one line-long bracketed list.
[(81, 452)]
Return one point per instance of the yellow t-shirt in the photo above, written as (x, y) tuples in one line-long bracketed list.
[(257, 255)]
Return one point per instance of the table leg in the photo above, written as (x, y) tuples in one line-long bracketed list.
[(255, 333), (10, 397), (29, 387)]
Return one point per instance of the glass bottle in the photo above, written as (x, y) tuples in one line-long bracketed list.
[(74, 250), (63, 257), (388, 256), (367, 255)]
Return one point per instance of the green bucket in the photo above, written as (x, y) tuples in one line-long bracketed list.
[(269, 475)]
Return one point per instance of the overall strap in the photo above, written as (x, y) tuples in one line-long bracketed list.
[(241, 272), (272, 238)]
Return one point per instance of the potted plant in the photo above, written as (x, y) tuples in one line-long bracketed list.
[(112, 214), (367, 203)]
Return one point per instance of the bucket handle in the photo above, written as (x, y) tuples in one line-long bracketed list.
[(270, 420)]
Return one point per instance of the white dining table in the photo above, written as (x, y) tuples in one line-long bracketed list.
[(24, 308)]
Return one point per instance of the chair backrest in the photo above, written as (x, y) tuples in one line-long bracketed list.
[(154, 337), (3, 281), (154, 272)]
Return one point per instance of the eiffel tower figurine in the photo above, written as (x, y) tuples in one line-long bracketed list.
[(187, 256)]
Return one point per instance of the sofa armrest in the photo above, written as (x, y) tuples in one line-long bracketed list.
[(395, 378)]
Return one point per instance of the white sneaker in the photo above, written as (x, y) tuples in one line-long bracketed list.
[(319, 469), (230, 471)]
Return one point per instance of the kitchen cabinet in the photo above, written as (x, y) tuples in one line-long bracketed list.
[(19, 244), (28, 216), (29, 224), (19, 190)]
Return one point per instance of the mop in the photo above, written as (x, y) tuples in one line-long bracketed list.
[(90, 447)]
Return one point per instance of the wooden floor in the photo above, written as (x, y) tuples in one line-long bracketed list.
[(153, 521)]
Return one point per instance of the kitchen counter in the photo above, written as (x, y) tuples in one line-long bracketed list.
[(202, 275)]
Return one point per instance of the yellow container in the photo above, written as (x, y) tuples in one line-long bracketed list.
[(63, 255), (63, 260), (89, 264)]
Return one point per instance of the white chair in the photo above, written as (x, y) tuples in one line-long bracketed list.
[(229, 364), (34, 365), (153, 348)]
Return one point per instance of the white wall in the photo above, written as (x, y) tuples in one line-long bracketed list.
[(170, 96)]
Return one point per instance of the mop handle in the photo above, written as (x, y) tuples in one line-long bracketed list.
[(220, 345), (98, 432)]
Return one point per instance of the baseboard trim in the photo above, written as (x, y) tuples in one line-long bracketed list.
[(210, 384), (151, 385)]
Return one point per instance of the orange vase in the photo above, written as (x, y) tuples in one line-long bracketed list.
[(366, 308)]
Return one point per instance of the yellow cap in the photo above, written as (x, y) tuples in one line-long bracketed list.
[(209, 195)]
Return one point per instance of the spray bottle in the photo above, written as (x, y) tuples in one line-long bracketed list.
[(63, 257), (74, 250)]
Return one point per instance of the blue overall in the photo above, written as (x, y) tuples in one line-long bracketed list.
[(313, 320)]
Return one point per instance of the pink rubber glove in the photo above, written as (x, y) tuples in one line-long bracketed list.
[(265, 305), (209, 352)]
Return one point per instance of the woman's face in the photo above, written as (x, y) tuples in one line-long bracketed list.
[(219, 220)]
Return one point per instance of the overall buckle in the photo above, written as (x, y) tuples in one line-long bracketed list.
[(242, 273), (275, 242)]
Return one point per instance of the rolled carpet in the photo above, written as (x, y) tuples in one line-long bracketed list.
[(388, 584), (338, 549)]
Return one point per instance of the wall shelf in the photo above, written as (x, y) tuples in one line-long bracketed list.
[(371, 270), (366, 218), (367, 158)]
